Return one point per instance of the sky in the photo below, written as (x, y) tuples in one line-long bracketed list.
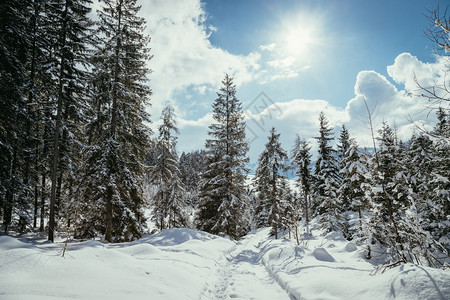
[(291, 60)]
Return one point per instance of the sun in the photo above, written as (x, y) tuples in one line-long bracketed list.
[(298, 40), (300, 36)]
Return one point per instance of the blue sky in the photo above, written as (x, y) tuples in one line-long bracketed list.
[(305, 56), (354, 36)]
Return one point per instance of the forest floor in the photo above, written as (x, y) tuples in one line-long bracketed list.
[(190, 264)]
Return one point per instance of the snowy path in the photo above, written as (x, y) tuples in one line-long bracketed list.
[(241, 274)]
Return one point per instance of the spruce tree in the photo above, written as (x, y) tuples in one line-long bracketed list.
[(353, 187), (14, 45), (223, 181), (301, 158), (439, 185), (385, 211), (118, 136), (289, 209), (327, 179), (344, 143), (165, 175), (191, 167), (71, 22), (269, 180), (442, 128), (396, 221)]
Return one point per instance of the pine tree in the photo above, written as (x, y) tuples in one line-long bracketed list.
[(14, 45), (301, 158), (442, 128), (384, 217), (71, 22), (118, 136), (431, 211), (223, 182), (289, 209), (439, 185), (44, 31), (353, 187), (269, 179), (326, 179), (191, 167), (344, 143), (396, 221), (165, 175), (38, 75)]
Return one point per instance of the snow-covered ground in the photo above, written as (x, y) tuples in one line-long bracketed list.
[(190, 264)]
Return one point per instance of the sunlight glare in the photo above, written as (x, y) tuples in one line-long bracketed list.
[(301, 36), (298, 40)]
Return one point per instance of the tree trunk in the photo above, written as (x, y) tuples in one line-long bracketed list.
[(36, 205), (58, 197), (306, 209), (9, 197), (54, 171), (43, 195), (274, 201), (360, 220), (109, 216), (112, 133)]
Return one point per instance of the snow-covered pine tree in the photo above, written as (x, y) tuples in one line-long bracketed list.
[(344, 143), (118, 136), (301, 158), (353, 187), (290, 210), (272, 163), (191, 166), (39, 84), (223, 181), (326, 203), (43, 72), (14, 45), (384, 210), (442, 128), (439, 185), (69, 18), (165, 175), (395, 219), (430, 207)]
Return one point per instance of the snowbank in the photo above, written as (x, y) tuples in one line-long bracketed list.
[(331, 268), (190, 264), (171, 265)]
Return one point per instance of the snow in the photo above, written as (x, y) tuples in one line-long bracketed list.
[(322, 255), (350, 247), (191, 264)]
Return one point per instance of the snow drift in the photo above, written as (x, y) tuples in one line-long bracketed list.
[(190, 264)]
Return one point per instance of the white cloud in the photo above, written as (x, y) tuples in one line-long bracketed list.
[(406, 67), (282, 63), (268, 47), (398, 107), (183, 54)]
